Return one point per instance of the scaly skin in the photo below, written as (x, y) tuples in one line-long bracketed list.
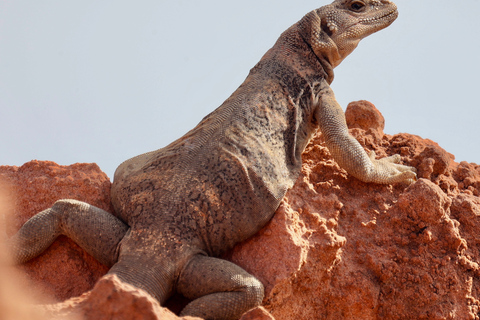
[(179, 207)]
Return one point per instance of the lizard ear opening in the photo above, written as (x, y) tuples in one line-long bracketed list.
[(323, 35), (325, 27)]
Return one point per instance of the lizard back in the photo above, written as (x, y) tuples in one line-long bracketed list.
[(227, 176)]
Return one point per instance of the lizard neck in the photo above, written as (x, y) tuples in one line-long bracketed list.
[(302, 56), (319, 43), (327, 67)]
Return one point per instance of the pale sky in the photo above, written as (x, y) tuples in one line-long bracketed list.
[(102, 81)]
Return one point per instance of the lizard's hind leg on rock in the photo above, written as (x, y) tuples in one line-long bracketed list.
[(149, 274), (220, 289), (97, 231)]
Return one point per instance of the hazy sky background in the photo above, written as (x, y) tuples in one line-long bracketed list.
[(103, 81)]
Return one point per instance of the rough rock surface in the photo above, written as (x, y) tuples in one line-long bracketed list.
[(337, 248), (113, 299), (64, 270), (15, 295), (259, 313)]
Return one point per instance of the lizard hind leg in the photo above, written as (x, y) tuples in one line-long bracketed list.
[(220, 289), (97, 231), (146, 273)]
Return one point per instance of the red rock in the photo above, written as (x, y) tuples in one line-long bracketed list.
[(337, 248), (114, 299), (15, 295), (64, 270), (365, 251), (364, 115), (259, 313)]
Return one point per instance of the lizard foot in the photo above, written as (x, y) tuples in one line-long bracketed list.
[(389, 170)]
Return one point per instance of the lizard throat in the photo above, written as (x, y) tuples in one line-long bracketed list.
[(323, 60)]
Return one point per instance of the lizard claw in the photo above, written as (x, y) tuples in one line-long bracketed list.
[(396, 158)]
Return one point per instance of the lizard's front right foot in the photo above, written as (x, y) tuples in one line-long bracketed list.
[(389, 170)]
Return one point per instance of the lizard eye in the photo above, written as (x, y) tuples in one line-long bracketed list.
[(357, 6)]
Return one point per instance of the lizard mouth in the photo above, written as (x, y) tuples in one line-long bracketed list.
[(391, 15)]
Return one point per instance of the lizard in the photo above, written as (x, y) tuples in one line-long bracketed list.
[(177, 209)]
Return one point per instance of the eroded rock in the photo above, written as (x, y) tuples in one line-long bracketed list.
[(114, 299), (394, 252), (337, 248), (64, 270)]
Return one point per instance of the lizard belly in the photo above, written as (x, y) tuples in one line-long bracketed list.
[(214, 203), (222, 181)]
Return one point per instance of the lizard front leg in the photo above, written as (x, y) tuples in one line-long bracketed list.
[(348, 152)]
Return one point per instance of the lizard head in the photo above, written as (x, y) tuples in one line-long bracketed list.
[(334, 31)]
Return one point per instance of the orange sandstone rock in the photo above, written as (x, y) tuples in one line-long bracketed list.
[(113, 299), (337, 248), (257, 314), (64, 270), (16, 297)]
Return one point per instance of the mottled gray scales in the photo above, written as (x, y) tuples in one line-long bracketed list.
[(71, 218), (179, 206), (231, 285)]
